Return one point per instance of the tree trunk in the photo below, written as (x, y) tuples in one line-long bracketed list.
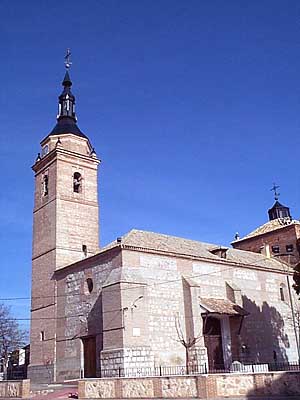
[(187, 360)]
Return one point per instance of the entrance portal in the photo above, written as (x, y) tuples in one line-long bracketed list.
[(89, 354), (213, 342)]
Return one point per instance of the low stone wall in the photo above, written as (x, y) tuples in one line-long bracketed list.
[(198, 386), (14, 389)]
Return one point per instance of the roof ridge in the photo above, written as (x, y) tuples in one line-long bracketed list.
[(170, 236), (274, 224)]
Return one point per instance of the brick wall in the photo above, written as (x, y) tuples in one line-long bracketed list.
[(286, 235), (63, 221)]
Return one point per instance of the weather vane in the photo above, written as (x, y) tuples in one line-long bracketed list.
[(274, 189), (68, 62)]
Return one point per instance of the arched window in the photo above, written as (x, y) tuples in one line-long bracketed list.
[(88, 286), (77, 182), (45, 185), (282, 292)]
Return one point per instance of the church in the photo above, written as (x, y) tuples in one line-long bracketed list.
[(146, 300)]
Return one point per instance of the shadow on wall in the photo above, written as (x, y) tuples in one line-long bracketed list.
[(263, 338), (280, 384), (95, 330), (94, 319)]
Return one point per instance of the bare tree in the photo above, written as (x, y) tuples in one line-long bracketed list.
[(12, 337), (187, 342)]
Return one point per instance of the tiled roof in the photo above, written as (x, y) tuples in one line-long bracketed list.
[(156, 242), (270, 226), (221, 306)]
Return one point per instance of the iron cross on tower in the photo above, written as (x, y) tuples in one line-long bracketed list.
[(274, 189), (68, 62)]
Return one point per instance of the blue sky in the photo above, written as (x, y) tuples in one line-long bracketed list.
[(193, 107)]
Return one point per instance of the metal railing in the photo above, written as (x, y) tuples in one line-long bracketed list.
[(17, 373), (198, 370)]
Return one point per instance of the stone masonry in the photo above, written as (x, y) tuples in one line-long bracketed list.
[(140, 294), (284, 384)]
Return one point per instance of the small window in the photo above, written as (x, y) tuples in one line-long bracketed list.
[(42, 336), (84, 250), (220, 252), (289, 248), (90, 284), (281, 290), (45, 185), (275, 249), (77, 182)]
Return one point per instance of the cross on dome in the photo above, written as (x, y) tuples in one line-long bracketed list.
[(274, 189), (68, 61)]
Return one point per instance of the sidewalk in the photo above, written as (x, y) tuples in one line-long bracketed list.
[(53, 391)]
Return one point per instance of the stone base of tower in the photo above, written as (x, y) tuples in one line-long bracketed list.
[(40, 373)]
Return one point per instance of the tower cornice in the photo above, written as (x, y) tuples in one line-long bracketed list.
[(52, 155)]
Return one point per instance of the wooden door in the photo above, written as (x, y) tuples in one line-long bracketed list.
[(89, 354), (213, 343)]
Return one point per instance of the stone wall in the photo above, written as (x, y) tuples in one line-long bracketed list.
[(139, 300), (76, 300), (133, 358), (13, 389), (163, 302), (198, 356), (201, 386)]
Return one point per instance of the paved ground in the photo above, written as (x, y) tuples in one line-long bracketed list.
[(227, 398), (64, 393), (54, 391), (65, 397)]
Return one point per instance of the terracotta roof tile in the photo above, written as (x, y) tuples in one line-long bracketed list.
[(269, 227), (175, 245), (221, 306)]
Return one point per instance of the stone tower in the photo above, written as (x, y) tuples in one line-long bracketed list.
[(279, 237), (65, 224)]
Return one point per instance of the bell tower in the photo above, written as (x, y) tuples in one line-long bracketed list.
[(65, 223)]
